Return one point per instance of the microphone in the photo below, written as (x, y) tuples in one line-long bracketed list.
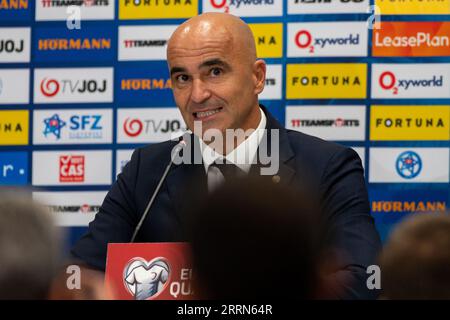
[(175, 152)]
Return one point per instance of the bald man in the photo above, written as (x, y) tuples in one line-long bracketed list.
[(216, 79)]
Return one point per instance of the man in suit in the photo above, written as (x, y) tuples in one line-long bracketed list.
[(216, 79)]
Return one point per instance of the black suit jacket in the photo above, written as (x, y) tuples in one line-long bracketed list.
[(331, 171)]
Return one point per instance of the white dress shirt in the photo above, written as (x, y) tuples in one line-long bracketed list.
[(242, 156)]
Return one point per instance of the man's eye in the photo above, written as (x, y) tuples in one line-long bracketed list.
[(182, 78), (216, 71)]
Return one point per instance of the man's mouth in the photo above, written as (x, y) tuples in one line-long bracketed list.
[(204, 114)]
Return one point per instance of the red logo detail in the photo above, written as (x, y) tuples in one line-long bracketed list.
[(303, 45), (133, 128), (220, 5), (71, 168), (391, 78), (85, 208), (49, 88), (339, 122), (88, 3)]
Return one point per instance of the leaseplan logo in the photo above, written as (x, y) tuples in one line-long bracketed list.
[(245, 8), (411, 81), (157, 9), (412, 39), (327, 39), (73, 85)]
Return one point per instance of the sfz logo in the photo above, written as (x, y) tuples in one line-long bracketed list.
[(51, 87), (388, 81), (409, 164), (71, 168)]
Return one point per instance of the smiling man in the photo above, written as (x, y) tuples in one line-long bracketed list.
[(216, 79)]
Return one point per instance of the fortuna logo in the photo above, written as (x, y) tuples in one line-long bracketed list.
[(388, 81), (54, 125), (138, 3), (144, 43), (66, 3), (408, 164), (74, 44), (13, 4), (10, 46), (421, 38), (223, 4), (409, 122), (303, 39), (146, 84), (50, 88), (326, 80), (339, 122), (10, 127), (134, 127)]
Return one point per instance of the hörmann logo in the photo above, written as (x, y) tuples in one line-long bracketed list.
[(13, 4), (412, 39), (145, 84), (74, 44), (408, 206)]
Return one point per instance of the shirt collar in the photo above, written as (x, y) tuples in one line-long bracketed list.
[(242, 156)]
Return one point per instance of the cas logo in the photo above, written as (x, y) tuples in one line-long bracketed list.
[(327, 6), (327, 39), (73, 85), (149, 125), (72, 126), (246, 8), (71, 168), (411, 81)]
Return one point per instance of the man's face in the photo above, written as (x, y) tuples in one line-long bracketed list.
[(213, 83)]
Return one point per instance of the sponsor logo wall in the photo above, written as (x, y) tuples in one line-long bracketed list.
[(75, 103)]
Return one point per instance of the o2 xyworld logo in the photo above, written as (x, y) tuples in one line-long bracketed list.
[(247, 8), (388, 81)]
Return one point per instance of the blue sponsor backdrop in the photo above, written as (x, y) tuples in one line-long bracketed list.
[(132, 78)]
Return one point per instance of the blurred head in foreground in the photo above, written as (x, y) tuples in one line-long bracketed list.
[(415, 263), (28, 248), (256, 239)]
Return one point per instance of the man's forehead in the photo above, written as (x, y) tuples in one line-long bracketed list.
[(201, 49)]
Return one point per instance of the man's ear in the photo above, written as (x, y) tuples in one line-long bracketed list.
[(259, 75)]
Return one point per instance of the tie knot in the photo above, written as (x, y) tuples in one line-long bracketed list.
[(228, 169)]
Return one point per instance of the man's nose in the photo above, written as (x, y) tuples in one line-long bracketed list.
[(200, 91)]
